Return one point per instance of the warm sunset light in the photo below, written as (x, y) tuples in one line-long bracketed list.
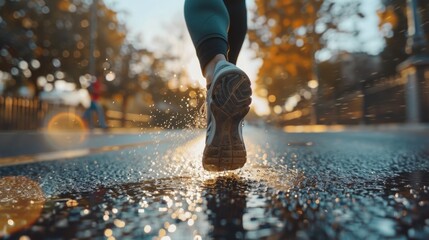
[(65, 122), (260, 106), (313, 84), (21, 203), (314, 123), (65, 130)]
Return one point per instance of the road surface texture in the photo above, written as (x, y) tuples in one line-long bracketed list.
[(369, 184)]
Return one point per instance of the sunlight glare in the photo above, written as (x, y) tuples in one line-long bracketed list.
[(260, 106), (65, 129)]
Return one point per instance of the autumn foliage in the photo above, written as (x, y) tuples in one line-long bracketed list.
[(287, 36)]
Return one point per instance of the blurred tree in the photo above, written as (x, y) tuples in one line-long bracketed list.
[(16, 43), (424, 13), (52, 38), (393, 26), (146, 74), (128, 76), (174, 105), (330, 80), (288, 34)]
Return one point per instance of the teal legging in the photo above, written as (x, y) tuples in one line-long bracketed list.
[(216, 27)]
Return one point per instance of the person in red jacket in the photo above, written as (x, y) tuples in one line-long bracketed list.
[(95, 91)]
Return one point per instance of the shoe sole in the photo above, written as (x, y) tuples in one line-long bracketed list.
[(231, 99)]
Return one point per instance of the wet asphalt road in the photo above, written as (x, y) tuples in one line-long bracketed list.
[(346, 185)]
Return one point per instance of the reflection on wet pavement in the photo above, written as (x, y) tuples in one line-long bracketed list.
[(231, 206), (282, 193), (21, 202)]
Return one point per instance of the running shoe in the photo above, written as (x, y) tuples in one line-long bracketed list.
[(228, 100)]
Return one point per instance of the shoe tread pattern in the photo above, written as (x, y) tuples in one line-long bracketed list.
[(231, 99)]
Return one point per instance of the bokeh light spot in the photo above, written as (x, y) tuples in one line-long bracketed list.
[(21, 202), (66, 130)]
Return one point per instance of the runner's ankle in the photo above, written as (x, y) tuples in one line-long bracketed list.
[(209, 69)]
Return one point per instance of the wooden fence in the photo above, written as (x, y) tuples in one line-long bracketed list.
[(27, 114), (32, 114)]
